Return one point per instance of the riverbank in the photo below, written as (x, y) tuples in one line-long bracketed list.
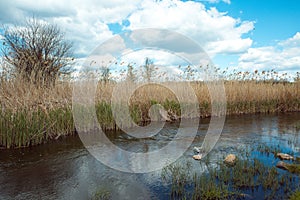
[(33, 115)]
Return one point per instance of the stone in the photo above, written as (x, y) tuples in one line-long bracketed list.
[(197, 157), (230, 159), (282, 165), (293, 168), (284, 156)]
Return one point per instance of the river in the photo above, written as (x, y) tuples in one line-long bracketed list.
[(64, 169)]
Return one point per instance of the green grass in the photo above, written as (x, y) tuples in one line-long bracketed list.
[(295, 195), (101, 194), (294, 168), (24, 128), (223, 182)]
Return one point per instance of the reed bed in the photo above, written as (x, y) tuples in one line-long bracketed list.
[(32, 114), (242, 96)]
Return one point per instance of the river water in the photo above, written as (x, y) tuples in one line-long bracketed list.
[(64, 169)]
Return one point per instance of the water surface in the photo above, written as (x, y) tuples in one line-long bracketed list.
[(64, 169)]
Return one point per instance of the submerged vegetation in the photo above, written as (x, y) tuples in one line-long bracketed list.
[(249, 177), (295, 195), (101, 194)]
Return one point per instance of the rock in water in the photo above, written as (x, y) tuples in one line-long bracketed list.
[(293, 168), (197, 157), (284, 156), (230, 159), (282, 165)]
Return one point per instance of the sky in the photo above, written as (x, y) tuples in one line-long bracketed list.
[(237, 34)]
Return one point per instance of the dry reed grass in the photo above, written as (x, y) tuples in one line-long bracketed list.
[(33, 114)]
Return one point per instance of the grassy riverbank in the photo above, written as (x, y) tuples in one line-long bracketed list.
[(32, 115)]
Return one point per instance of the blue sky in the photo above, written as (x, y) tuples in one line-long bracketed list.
[(275, 19), (238, 34)]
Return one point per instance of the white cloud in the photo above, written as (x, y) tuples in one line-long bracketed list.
[(212, 29), (115, 46), (106, 11), (161, 58), (292, 42), (285, 56), (86, 22), (227, 1), (85, 35), (229, 46), (215, 1)]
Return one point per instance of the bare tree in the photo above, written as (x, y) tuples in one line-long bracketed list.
[(38, 51)]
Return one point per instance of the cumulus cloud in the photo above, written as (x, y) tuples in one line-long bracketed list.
[(229, 46), (210, 28), (86, 23), (159, 57), (292, 42), (284, 56), (106, 11), (215, 1)]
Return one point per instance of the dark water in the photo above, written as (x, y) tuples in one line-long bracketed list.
[(64, 169)]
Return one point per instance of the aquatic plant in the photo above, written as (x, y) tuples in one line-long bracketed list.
[(240, 181), (180, 176), (25, 128), (101, 194), (294, 168), (295, 195)]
